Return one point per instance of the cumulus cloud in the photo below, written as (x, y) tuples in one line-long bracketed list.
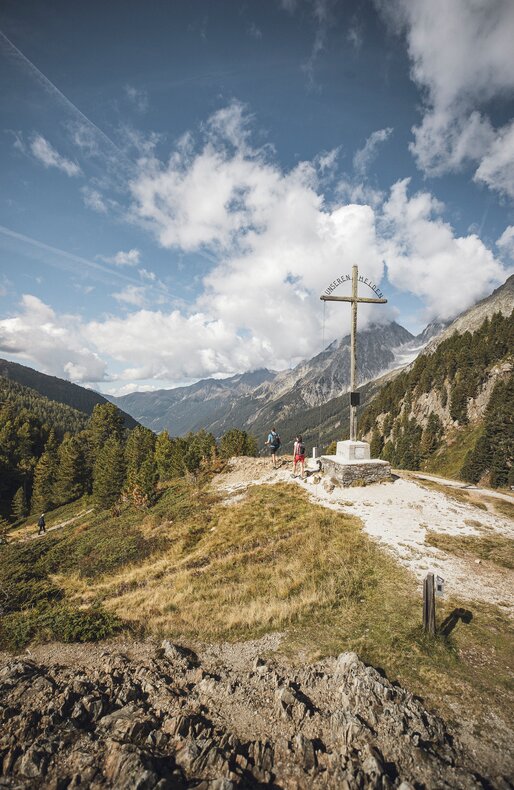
[(462, 57), (49, 157), (53, 343), (276, 244), (449, 273), (121, 258)]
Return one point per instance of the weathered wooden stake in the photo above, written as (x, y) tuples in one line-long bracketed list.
[(429, 604)]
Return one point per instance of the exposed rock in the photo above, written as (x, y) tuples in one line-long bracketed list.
[(171, 722)]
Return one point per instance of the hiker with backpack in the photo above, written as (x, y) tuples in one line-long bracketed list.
[(273, 443), (41, 524), (299, 456)]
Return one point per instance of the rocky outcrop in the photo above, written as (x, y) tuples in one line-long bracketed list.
[(171, 721)]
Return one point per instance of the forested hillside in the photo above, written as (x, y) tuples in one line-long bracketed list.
[(51, 454), (62, 418), (459, 401), (57, 389)]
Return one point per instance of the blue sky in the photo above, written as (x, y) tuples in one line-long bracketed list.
[(181, 181)]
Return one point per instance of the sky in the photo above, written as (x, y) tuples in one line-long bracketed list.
[(180, 181)]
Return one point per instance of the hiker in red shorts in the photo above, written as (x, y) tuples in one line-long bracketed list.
[(299, 456)]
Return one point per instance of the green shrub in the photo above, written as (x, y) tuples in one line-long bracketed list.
[(58, 622)]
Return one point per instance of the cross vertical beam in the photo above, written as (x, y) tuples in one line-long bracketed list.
[(353, 354), (354, 299)]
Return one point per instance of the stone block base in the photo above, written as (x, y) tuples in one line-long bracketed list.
[(353, 451), (348, 472)]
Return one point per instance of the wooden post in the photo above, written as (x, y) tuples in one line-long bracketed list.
[(353, 354), (429, 604)]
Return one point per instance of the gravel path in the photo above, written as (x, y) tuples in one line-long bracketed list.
[(398, 515)]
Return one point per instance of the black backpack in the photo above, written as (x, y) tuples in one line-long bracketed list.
[(276, 441), (301, 449)]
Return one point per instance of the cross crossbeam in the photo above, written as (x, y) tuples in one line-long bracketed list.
[(351, 299), (354, 299)]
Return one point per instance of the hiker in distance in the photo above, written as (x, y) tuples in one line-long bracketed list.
[(299, 456), (41, 524), (273, 443)]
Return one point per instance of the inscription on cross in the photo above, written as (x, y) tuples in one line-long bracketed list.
[(354, 299)]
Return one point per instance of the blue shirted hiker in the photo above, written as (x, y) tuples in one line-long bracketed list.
[(273, 443)]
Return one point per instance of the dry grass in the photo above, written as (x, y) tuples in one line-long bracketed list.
[(501, 506), (267, 562), (493, 547)]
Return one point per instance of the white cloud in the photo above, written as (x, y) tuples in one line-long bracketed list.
[(54, 343), (121, 258), (49, 157), (94, 200), (322, 13), (506, 241), (462, 56), (275, 244), (352, 190), (497, 166), (424, 257), (365, 155), (131, 294), (145, 274), (327, 160)]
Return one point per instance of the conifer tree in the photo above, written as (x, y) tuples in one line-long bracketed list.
[(19, 507), (143, 491), (109, 473), (139, 447), (377, 443), (236, 442), (431, 436), (43, 497), (72, 476), (106, 421), (164, 455)]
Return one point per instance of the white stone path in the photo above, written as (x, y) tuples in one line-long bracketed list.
[(398, 515)]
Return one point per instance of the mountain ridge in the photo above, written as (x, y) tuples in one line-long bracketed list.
[(218, 405), (57, 389)]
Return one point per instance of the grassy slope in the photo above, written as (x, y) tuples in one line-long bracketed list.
[(193, 568)]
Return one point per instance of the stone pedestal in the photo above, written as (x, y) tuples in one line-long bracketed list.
[(353, 451), (352, 464)]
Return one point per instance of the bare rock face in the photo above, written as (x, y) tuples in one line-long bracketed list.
[(170, 721)]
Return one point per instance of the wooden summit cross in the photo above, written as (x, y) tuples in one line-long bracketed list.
[(354, 299)]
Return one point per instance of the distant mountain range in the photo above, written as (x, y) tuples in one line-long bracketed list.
[(253, 401), (55, 389), (312, 398)]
